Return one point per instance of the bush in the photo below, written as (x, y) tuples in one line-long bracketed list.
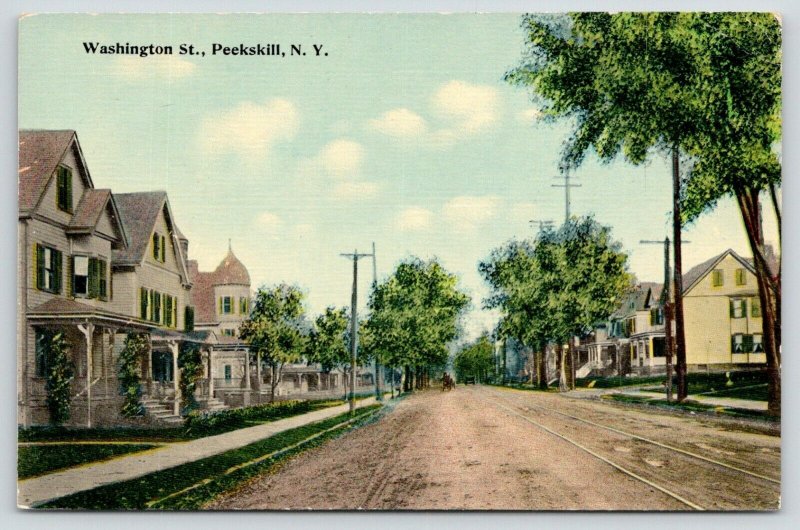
[(226, 420), (59, 376), (129, 377)]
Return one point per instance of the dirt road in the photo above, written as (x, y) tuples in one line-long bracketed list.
[(480, 448)]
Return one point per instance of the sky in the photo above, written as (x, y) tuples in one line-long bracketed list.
[(404, 135)]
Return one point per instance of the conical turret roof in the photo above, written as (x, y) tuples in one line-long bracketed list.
[(231, 271)]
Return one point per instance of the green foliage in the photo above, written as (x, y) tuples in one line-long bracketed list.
[(205, 424), (475, 360), (558, 285), (276, 328), (190, 362), (130, 381), (327, 344), (414, 315), (38, 460), (136, 494), (60, 373), (708, 84)]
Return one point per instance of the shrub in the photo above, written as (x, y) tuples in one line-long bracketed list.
[(225, 420), (60, 373), (130, 381)]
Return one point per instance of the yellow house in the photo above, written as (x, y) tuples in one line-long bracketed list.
[(722, 313)]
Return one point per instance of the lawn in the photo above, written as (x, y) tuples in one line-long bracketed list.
[(189, 486), (690, 406), (714, 384), (198, 426), (38, 460)]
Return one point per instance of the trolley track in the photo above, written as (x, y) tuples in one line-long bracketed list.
[(683, 475)]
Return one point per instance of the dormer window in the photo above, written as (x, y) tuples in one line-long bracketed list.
[(159, 247), (64, 189)]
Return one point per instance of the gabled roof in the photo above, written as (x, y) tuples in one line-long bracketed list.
[(40, 152), (696, 273), (91, 206), (139, 212)]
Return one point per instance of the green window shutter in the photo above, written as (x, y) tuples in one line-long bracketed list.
[(733, 344), (38, 257), (747, 343), (755, 307), (70, 280), (188, 318), (58, 265), (731, 306), (68, 174), (102, 278), (93, 278), (155, 246), (143, 303), (163, 249), (174, 312), (150, 307), (220, 305)]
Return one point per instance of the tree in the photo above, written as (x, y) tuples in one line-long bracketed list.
[(557, 287), (328, 340), (414, 316), (703, 87), (130, 381), (475, 360), (59, 375), (275, 329)]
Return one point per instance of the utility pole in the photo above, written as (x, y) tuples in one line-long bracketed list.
[(354, 326), (669, 344), (378, 392), (680, 336), (566, 187)]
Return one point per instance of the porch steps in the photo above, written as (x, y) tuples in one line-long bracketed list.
[(161, 412), (212, 404)]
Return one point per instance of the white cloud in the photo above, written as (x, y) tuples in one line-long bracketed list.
[(414, 219), (355, 190), (341, 158), (269, 223), (156, 66), (250, 129), (472, 107), (530, 115), (399, 123), (468, 211)]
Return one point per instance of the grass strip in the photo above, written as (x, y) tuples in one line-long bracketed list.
[(692, 406), (36, 460), (137, 493)]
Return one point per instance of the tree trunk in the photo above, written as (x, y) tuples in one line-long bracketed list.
[(562, 376), (769, 294), (542, 371), (505, 357)]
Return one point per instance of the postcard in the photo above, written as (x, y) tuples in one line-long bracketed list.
[(400, 262)]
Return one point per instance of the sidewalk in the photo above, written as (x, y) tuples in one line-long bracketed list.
[(748, 404), (34, 491)]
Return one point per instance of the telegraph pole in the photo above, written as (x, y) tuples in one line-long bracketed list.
[(354, 326), (669, 343), (680, 336), (566, 187), (378, 392)]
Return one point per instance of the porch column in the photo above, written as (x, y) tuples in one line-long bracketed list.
[(176, 377), (247, 370), (211, 372), (88, 331), (258, 370)]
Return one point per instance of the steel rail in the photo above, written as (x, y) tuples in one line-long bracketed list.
[(604, 459), (659, 444)]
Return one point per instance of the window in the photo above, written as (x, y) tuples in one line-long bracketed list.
[(244, 306), (227, 372), (162, 366), (758, 346), (48, 269), (741, 343), (226, 305), (159, 247), (42, 337), (741, 277), (755, 307), (656, 316), (80, 275), (738, 308), (737, 343), (64, 189), (717, 278), (229, 332)]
